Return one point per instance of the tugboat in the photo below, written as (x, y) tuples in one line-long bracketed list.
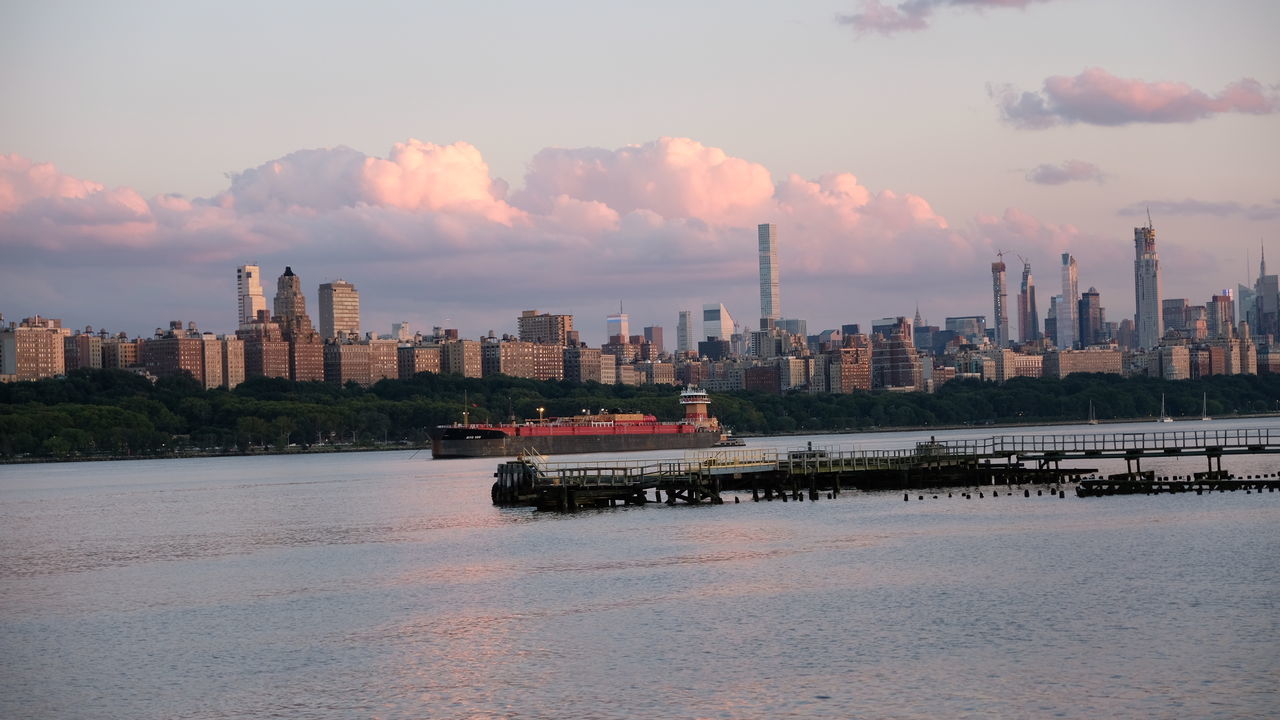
[(586, 433)]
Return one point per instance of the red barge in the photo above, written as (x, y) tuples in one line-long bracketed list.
[(606, 432)]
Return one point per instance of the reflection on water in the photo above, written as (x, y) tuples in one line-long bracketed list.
[(384, 585)]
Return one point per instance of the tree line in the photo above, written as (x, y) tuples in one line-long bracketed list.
[(112, 413)]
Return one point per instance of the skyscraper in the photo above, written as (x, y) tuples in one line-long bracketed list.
[(306, 347), (1266, 302), (653, 335), (339, 309), (1070, 296), (618, 325), (1222, 311), (768, 272), (1091, 318), (686, 338), (999, 293), (717, 324), (290, 305), (249, 293), (1146, 287), (1028, 316)]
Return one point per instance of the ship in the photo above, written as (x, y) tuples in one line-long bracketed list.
[(585, 433)]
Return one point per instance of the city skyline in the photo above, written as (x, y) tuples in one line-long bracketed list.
[(644, 183)]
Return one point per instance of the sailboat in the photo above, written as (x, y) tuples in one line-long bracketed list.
[(1204, 408), (1093, 419), (1164, 417)]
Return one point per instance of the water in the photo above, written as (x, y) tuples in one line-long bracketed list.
[(384, 585)]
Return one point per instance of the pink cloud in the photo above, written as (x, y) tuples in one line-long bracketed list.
[(22, 181), (913, 15), (1096, 97), (1069, 171), (674, 177), (424, 176)]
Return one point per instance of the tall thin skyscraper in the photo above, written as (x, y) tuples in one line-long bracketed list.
[(1028, 316), (339, 309), (1146, 287), (249, 293), (769, 272), (686, 340), (999, 292), (1070, 296)]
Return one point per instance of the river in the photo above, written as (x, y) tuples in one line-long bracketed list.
[(385, 585)]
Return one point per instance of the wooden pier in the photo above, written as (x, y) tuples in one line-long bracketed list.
[(794, 474)]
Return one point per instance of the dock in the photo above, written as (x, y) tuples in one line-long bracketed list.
[(701, 477)]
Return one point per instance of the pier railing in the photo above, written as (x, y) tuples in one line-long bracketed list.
[(1119, 442), (949, 452)]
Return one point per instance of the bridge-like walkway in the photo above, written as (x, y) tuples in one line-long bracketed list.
[(700, 476)]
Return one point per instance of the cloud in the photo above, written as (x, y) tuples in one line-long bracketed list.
[(1189, 206), (673, 177), (913, 15), (428, 228), (1069, 171), (1096, 97)]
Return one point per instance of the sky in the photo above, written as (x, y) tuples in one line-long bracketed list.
[(461, 162)]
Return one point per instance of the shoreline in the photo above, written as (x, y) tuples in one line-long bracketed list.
[(326, 449)]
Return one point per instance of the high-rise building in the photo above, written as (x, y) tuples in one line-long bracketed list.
[(1265, 319), (653, 335), (1146, 287), (266, 352), (1051, 320), (895, 365), (768, 235), (1221, 311), (33, 349), (973, 328), (686, 336), (998, 294), (249, 293), (544, 328), (617, 325), (1028, 316), (1067, 309), (1092, 318), (306, 347), (717, 324), (339, 309), (290, 304), (1173, 313)]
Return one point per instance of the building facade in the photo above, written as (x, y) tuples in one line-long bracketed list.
[(544, 328), (339, 307)]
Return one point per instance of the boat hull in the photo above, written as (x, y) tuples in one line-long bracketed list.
[(510, 446)]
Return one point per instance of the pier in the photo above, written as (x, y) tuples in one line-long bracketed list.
[(793, 475)]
